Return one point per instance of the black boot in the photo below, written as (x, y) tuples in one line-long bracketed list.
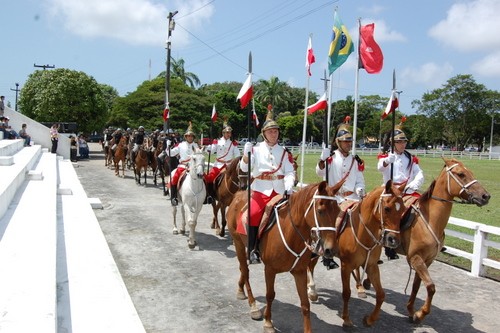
[(391, 253), (253, 252), (173, 195), (330, 263), (209, 191)]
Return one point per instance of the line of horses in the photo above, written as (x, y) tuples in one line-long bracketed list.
[(302, 229)]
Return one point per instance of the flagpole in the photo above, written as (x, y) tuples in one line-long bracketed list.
[(393, 120), (356, 97), (304, 128), (249, 191), (210, 151)]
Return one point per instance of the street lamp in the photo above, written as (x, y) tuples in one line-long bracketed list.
[(171, 27), (16, 90)]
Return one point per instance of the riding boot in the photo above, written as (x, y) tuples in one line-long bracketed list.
[(173, 195), (253, 251), (330, 263), (391, 253), (209, 198)]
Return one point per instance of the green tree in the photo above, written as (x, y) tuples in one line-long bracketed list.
[(63, 95), (272, 92), (178, 71), (460, 108)]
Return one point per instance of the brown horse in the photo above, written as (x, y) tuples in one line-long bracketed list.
[(120, 155), (366, 227), (162, 168), (423, 239), (304, 223), (141, 161), (108, 153), (226, 184)]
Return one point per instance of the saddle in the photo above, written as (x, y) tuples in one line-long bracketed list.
[(341, 221), (268, 218), (409, 215)]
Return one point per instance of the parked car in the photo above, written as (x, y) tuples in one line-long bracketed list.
[(471, 149)]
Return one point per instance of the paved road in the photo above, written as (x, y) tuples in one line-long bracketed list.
[(179, 290)]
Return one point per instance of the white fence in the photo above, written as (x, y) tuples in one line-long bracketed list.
[(481, 244)]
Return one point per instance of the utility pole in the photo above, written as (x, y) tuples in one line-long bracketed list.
[(171, 27), (16, 90), (44, 66)]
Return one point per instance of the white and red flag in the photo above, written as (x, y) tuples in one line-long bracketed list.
[(214, 114), (166, 112), (255, 118), (246, 92), (321, 104), (391, 105), (310, 59)]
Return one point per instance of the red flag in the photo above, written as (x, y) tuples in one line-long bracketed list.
[(166, 112), (310, 59), (255, 118), (246, 92), (321, 104), (214, 115), (370, 54), (391, 106)]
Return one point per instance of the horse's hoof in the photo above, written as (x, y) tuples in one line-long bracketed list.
[(366, 284), (212, 226), (240, 295), (175, 232), (366, 323), (256, 315), (193, 245), (313, 297), (269, 330), (183, 232)]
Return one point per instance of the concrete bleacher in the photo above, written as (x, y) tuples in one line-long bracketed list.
[(57, 272)]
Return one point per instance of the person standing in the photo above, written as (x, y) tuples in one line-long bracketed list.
[(342, 166), (24, 135), (226, 150), (2, 105), (183, 150), (273, 173), (405, 170), (54, 137)]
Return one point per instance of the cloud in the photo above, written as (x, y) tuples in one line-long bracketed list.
[(383, 33), (488, 66), (470, 26), (430, 75), (136, 22)]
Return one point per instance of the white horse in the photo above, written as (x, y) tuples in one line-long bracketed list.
[(191, 196)]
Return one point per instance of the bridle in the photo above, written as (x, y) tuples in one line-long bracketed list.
[(464, 187), (312, 245)]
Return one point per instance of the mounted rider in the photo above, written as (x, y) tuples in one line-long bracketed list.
[(184, 151), (138, 141), (405, 171), (273, 173), (226, 150), (117, 136), (342, 166)]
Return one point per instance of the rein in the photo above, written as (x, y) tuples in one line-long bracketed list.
[(464, 188), (314, 247)]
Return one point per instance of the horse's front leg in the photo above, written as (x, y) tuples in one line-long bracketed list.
[(421, 274), (222, 208), (311, 285), (215, 210), (301, 284), (345, 272), (270, 295), (374, 274), (183, 212), (145, 175), (175, 231), (192, 216)]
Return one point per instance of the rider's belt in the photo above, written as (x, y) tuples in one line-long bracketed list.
[(270, 177), (346, 193)]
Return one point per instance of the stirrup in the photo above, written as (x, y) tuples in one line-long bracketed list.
[(254, 257), (174, 201)]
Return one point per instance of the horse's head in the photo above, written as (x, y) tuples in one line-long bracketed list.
[(197, 164), (322, 210), (386, 206), (235, 170), (461, 183)]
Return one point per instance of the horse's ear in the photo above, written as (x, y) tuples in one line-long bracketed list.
[(388, 186), (295, 158), (337, 186), (322, 186)]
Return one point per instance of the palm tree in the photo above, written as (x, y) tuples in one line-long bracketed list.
[(178, 71), (272, 92)]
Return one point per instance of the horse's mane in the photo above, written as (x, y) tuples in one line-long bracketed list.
[(427, 194), (299, 201), (231, 168)]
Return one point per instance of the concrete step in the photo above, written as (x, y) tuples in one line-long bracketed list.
[(28, 254), (10, 147), (14, 174)]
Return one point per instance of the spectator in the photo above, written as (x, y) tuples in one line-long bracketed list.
[(83, 147), (2, 105), (24, 135), (54, 137), (73, 149), (2, 127), (9, 132)]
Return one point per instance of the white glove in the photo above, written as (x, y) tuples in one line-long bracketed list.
[(289, 191), (412, 186), (209, 148), (391, 158), (325, 153), (247, 148), (169, 143), (361, 192)]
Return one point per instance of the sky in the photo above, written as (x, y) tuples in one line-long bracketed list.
[(122, 43)]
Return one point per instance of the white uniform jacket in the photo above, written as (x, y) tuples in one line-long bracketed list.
[(272, 169), (226, 151), (184, 150), (338, 167), (404, 170)]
